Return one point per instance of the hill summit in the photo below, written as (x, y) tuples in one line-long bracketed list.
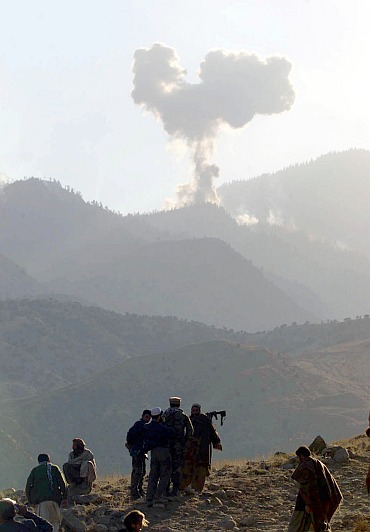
[(242, 496)]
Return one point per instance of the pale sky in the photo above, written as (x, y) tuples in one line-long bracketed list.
[(66, 79)]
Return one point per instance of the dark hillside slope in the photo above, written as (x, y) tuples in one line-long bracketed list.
[(15, 282), (321, 278), (125, 264), (42, 223), (53, 343), (311, 337), (200, 279)]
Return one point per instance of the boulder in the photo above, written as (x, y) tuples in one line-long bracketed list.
[(337, 453), (73, 523), (318, 445), (341, 456)]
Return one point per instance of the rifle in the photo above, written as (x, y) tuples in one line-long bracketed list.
[(215, 414)]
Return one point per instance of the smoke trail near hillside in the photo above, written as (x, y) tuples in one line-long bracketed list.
[(233, 88)]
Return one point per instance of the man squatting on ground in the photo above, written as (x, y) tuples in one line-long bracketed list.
[(135, 445), (157, 440), (10, 523), (198, 452), (46, 489), (175, 417), (319, 495), (80, 468)]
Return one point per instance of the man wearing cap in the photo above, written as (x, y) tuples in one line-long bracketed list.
[(80, 470), (175, 417), (46, 490), (198, 452), (10, 523), (157, 440), (135, 445)]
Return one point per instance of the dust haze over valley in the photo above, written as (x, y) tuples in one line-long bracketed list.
[(239, 276), (274, 319)]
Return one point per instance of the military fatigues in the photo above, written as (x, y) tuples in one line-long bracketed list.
[(175, 418)]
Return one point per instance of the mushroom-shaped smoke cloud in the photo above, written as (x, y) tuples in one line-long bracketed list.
[(233, 88)]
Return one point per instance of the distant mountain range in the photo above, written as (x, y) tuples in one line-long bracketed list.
[(197, 262), (126, 265)]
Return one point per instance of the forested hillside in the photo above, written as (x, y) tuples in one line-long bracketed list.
[(326, 198), (126, 265), (54, 343)]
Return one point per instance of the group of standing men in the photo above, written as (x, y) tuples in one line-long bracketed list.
[(180, 451)]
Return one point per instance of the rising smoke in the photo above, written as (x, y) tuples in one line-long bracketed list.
[(233, 88)]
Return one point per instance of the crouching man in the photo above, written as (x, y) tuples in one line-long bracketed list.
[(80, 470)]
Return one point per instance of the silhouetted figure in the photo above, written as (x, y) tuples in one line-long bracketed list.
[(175, 417), (198, 452), (319, 495), (157, 441), (135, 445)]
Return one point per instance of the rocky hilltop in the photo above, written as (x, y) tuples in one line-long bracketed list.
[(241, 496)]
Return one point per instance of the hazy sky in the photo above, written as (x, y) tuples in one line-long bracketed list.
[(66, 109)]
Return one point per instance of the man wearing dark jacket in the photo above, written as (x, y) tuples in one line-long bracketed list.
[(8, 523), (157, 440), (198, 453), (46, 489), (135, 445)]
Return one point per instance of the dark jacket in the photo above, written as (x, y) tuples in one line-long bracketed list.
[(38, 488), (205, 437), (157, 435), (135, 437), (31, 522)]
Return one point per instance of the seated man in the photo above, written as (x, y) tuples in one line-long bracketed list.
[(80, 470), (10, 523)]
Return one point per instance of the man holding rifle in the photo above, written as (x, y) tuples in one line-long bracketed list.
[(197, 458)]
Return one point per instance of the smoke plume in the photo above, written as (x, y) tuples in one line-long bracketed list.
[(233, 88)]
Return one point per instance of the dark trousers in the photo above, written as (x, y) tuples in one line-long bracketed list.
[(160, 472), (72, 473), (137, 475)]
